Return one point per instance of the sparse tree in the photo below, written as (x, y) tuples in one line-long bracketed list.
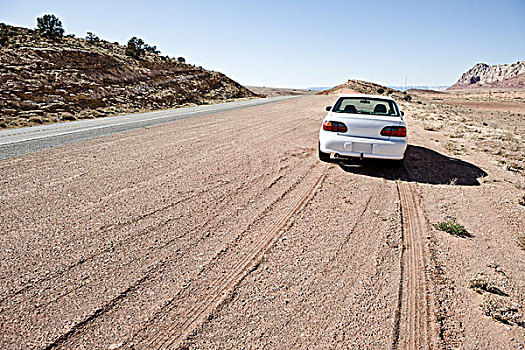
[(50, 27), (181, 60), (92, 38), (152, 49), (135, 48), (4, 34)]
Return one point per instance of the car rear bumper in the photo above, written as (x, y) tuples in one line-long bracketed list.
[(363, 147)]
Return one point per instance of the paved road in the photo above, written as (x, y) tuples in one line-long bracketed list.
[(15, 142)]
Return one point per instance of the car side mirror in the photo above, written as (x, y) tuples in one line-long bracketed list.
[(402, 113), (328, 108)]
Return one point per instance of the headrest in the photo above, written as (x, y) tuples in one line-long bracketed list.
[(380, 108), (350, 109)]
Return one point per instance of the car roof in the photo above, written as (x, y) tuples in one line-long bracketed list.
[(382, 97)]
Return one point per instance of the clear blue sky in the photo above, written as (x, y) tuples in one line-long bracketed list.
[(305, 43)]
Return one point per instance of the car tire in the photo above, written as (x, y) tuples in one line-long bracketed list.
[(398, 163), (324, 157)]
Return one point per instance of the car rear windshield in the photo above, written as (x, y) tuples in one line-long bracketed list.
[(361, 105)]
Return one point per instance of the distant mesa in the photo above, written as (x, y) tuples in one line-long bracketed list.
[(353, 86), (421, 87), (482, 75)]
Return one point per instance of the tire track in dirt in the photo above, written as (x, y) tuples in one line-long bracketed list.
[(108, 228), (189, 320), (152, 271), (36, 282), (413, 319)]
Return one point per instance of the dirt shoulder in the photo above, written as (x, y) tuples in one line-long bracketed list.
[(274, 92), (226, 231)]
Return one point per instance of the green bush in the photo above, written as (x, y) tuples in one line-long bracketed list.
[(92, 38), (4, 34), (380, 91), (50, 26), (453, 228), (181, 60), (151, 49), (135, 48)]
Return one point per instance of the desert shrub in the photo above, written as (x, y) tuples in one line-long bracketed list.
[(453, 228), (135, 48), (481, 284), (181, 60), (92, 38), (521, 201), (521, 242), (68, 116), (36, 120), (380, 91), (151, 49), (499, 309), (50, 26), (5, 34), (407, 97)]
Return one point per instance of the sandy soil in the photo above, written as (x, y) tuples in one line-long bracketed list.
[(225, 231), (274, 92)]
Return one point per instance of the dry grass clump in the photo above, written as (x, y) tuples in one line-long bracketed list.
[(455, 133), (499, 309), (454, 148), (521, 242), (450, 146), (481, 284), (452, 227), (432, 126), (521, 201), (36, 120)]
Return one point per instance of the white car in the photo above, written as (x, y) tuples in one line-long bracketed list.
[(363, 126)]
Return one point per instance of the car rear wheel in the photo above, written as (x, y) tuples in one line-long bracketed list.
[(398, 163), (324, 157)]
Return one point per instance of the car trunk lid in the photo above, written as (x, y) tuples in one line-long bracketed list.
[(367, 126)]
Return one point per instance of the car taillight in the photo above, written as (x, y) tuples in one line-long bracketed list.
[(398, 131), (334, 126)]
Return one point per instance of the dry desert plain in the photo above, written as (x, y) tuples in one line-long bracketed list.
[(226, 232)]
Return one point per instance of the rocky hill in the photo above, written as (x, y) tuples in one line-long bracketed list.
[(510, 75), (365, 87), (45, 81)]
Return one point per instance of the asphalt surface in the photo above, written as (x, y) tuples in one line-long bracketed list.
[(16, 142)]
